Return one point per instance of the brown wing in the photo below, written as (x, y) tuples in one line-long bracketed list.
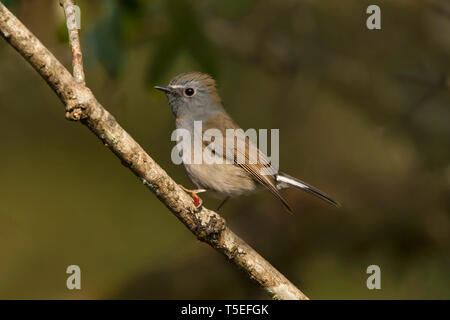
[(242, 148)]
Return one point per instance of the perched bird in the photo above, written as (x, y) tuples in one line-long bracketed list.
[(193, 97)]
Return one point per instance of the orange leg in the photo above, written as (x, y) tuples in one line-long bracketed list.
[(193, 193)]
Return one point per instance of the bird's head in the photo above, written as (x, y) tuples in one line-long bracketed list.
[(194, 95)]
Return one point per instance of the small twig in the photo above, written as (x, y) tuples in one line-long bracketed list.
[(433, 89), (74, 39), (441, 8), (205, 224)]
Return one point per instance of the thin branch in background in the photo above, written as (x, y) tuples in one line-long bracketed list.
[(81, 104), (441, 8), (420, 80), (74, 39), (431, 93), (433, 88)]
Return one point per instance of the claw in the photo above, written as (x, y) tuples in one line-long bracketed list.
[(197, 200)]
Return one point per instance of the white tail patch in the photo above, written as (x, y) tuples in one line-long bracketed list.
[(292, 182)]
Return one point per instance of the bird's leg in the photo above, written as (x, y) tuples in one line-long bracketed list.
[(222, 203), (197, 200)]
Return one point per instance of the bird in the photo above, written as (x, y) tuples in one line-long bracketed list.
[(193, 97)]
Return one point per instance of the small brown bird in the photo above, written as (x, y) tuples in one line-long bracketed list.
[(193, 97)]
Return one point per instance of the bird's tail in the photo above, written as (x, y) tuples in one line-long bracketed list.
[(286, 181)]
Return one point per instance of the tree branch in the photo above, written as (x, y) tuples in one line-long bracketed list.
[(81, 105), (74, 39)]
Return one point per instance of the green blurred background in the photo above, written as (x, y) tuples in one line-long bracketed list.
[(363, 115)]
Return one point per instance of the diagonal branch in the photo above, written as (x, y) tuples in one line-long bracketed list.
[(81, 105)]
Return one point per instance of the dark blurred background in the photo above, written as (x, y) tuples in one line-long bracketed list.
[(363, 115)]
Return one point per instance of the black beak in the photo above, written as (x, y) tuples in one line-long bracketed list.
[(164, 89)]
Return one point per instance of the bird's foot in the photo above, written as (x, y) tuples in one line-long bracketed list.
[(193, 193)]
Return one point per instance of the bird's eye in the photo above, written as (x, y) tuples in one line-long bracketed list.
[(189, 92)]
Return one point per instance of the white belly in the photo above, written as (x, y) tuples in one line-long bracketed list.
[(224, 179)]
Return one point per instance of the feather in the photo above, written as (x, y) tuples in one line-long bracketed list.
[(255, 170), (285, 181)]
